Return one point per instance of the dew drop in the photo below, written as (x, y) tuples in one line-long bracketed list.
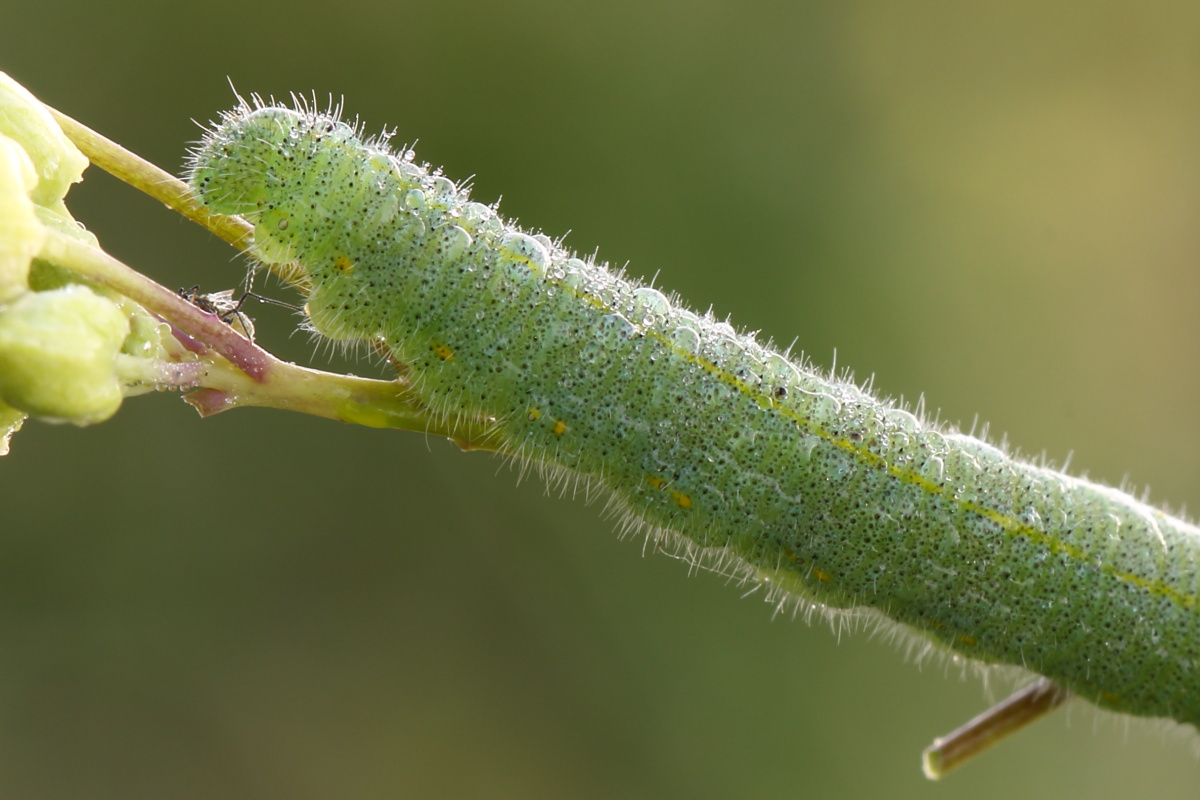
[(650, 306), (414, 199), (476, 214)]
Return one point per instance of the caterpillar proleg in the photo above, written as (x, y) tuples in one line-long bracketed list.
[(723, 448)]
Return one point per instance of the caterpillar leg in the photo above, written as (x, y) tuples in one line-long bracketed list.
[(1009, 716)]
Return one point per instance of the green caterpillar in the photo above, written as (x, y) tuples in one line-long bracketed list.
[(711, 441)]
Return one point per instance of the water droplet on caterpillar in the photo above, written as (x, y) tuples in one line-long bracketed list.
[(481, 218), (686, 339), (650, 306), (414, 199)]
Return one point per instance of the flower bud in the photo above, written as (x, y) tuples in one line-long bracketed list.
[(59, 355)]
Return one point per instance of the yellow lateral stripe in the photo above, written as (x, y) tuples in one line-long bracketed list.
[(1008, 523)]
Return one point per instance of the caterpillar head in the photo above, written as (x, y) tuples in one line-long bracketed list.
[(242, 161), (262, 163), (291, 172)]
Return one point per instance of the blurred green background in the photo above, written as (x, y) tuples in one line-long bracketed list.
[(993, 204)]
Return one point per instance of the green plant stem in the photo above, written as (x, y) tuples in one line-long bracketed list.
[(162, 186), (103, 269), (238, 373)]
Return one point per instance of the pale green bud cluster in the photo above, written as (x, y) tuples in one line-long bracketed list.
[(58, 355), (21, 233), (68, 353)]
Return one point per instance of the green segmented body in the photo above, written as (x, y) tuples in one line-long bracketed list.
[(805, 483)]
